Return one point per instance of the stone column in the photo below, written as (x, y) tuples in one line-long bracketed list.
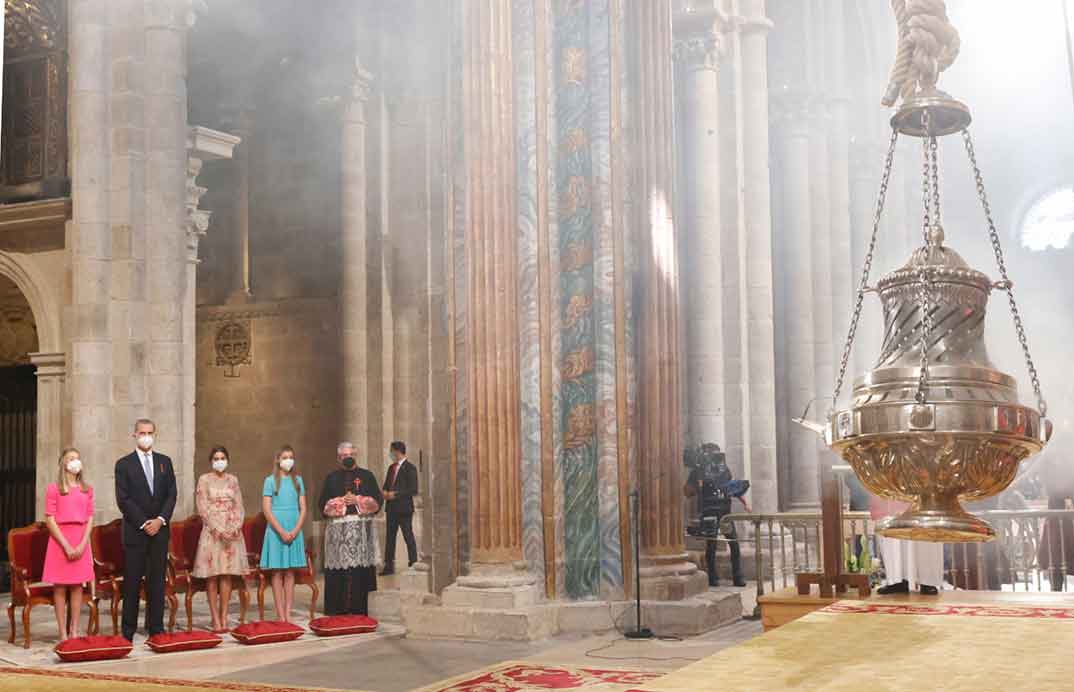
[(838, 104), (820, 237), (757, 216), (697, 51), (354, 295), (240, 268), (666, 574), (490, 245), (51, 369), (90, 242), (166, 23), (792, 129)]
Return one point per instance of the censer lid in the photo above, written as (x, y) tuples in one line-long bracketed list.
[(944, 268)]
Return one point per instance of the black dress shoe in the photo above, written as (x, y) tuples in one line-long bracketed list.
[(927, 590), (901, 587), (740, 582), (387, 571)]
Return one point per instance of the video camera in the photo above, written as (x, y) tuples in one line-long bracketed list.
[(711, 464)]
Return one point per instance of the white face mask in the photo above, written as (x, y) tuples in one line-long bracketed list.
[(219, 465), (74, 466), (287, 465), (145, 441)]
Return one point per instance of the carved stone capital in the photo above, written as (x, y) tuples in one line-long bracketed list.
[(361, 82), (699, 43), (202, 144), (699, 51), (195, 8), (360, 89), (49, 365), (752, 25)]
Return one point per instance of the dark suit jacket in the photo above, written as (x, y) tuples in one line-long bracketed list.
[(136, 502), (405, 485)]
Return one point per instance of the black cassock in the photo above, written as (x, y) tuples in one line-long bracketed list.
[(346, 591)]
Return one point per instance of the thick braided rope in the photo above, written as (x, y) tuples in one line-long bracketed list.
[(927, 45)]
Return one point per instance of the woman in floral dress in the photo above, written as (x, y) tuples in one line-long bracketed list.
[(221, 549)]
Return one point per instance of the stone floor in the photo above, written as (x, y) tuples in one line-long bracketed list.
[(386, 661)]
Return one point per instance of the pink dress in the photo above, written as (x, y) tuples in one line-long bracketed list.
[(220, 507), (72, 513)]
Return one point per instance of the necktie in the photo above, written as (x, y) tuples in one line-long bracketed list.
[(395, 471), (147, 467)]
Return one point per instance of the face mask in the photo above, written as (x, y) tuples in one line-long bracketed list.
[(74, 466), (348, 463), (287, 465), (145, 441), (219, 465)]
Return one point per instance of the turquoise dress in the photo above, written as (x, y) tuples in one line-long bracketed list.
[(274, 553)]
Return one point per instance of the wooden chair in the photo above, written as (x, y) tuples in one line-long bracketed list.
[(184, 548), (108, 564), (253, 530), (26, 551)]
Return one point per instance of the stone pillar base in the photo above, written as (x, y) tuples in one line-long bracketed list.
[(671, 578), (416, 578), (495, 587), (424, 619)]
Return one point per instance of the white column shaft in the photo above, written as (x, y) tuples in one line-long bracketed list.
[(705, 285)]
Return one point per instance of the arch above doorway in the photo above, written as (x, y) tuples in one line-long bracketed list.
[(43, 301)]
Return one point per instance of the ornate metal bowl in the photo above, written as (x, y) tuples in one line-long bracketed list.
[(966, 441)]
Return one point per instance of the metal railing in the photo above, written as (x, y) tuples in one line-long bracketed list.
[(1033, 549)]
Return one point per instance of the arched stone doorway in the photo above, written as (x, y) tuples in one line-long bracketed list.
[(32, 368), (18, 410)]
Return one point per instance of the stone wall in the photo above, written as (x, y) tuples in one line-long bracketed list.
[(288, 393)]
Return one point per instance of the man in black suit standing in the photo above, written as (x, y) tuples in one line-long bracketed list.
[(145, 493), (400, 487)]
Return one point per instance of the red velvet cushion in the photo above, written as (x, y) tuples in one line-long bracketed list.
[(335, 625), (95, 648), (182, 641), (267, 632)]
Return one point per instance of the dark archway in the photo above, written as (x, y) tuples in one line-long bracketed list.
[(18, 414)]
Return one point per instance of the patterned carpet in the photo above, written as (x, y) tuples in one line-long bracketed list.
[(36, 680), (529, 677), (908, 647)]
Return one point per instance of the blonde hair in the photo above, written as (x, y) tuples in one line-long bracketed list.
[(62, 481), (277, 472)]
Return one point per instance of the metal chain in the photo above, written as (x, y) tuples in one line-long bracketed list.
[(934, 163), (1006, 284), (863, 285), (930, 196)]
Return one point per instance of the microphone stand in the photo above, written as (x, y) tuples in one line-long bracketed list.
[(638, 632)]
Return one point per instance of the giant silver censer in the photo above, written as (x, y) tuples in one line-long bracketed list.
[(934, 422)]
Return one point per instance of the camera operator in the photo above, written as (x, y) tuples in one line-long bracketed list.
[(712, 483)]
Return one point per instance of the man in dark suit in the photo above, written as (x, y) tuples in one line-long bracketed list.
[(400, 487), (145, 493)]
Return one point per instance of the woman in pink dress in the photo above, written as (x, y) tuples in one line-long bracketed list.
[(221, 549), (68, 559)]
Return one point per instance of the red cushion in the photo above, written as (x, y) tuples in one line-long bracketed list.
[(95, 648), (335, 625), (182, 641), (267, 632)]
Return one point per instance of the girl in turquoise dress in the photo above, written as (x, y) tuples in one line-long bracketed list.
[(284, 550)]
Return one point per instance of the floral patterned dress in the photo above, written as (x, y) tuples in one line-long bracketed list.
[(221, 548)]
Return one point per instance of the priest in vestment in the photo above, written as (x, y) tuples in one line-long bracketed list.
[(350, 551), (907, 564)]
